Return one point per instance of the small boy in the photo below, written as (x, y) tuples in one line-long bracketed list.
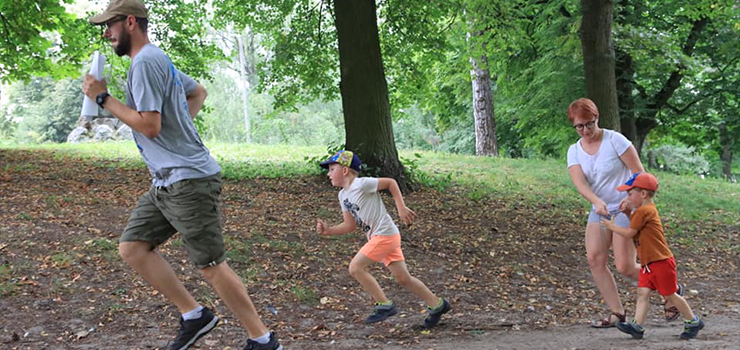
[(658, 265), (362, 206)]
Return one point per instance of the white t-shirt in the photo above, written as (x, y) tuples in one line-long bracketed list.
[(363, 201), (604, 170)]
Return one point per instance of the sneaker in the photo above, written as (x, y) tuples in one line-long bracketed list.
[(192, 330), (435, 315), (691, 329), (382, 312), (272, 345), (631, 328)]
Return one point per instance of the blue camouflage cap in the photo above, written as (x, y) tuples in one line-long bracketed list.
[(346, 158)]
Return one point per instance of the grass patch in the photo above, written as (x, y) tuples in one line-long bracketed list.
[(237, 251), (305, 295), (62, 259), (8, 285), (103, 244)]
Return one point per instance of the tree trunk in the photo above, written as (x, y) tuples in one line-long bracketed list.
[(625, 72), (483, 112), (598, 59), (726, 142), (366, 109), (245, 89)]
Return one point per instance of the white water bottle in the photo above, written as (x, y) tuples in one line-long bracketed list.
[(89, 107)]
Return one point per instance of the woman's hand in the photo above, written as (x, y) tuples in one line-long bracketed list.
[(600, 208)]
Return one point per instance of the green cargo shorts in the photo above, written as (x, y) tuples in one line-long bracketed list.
[(190, 207)]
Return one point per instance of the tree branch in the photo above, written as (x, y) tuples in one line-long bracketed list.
[(728, 65), (685, 108), (674, 80)]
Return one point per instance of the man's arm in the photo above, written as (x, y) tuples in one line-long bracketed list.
[(196, 99), (147, 123)]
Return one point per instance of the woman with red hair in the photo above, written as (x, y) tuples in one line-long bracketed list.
[(598, 163)]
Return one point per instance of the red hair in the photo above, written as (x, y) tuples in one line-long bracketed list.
[(583, 108)]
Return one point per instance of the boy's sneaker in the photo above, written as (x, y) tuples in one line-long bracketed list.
[(382, 312), (631, 328), (271, 345), (192, 330), (435, 315), (691, 329)]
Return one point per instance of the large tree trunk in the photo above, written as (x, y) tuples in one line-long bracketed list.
[(726, 142), (483, 112), (367, 112), (598, 59), (625, 73)]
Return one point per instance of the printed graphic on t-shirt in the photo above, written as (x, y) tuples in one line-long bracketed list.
[(354, 209)]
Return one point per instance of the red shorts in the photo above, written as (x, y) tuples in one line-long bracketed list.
[(659, 275), (385, 249)]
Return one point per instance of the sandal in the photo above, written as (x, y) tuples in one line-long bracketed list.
[(607, 322), (672, 312)]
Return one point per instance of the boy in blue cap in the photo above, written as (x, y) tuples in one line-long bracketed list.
[(658, 270), (362, 206)]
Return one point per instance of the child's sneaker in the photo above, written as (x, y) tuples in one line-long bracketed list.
[(382, 312), (271, 345), (192, 330), (691, 329), (631, 328), (436, 314)]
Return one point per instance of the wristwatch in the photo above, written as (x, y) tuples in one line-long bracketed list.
[(100, 99)]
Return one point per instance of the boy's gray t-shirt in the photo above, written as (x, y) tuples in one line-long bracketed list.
[(363, 201), (177, 153)]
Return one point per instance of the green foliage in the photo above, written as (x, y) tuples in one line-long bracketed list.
[(180, 28), (680, 160), (414, 130), (41, 38), (424, 178), (314, 123), (301, 37), (45, 110)]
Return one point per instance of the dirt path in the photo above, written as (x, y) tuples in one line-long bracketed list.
[(516, 274), (722, 333)]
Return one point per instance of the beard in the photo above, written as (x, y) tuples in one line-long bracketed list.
[(124, 44)]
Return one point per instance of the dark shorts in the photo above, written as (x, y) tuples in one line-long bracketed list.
[(190, 207)]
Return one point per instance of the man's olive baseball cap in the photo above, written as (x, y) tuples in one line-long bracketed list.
[(121, 8)]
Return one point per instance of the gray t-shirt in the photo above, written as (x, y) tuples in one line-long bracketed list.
[(177, 153), (363, 201)]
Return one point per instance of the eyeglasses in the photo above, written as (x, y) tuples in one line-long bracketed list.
[(114, 21), (589, 125)]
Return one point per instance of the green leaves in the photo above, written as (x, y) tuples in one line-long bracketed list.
[(40, 38)]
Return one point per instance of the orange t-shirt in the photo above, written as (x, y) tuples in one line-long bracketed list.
[(650, 239)]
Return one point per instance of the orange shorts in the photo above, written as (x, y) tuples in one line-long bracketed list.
[(385, 249)]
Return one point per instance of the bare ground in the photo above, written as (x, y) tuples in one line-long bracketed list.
[(516, 274)]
